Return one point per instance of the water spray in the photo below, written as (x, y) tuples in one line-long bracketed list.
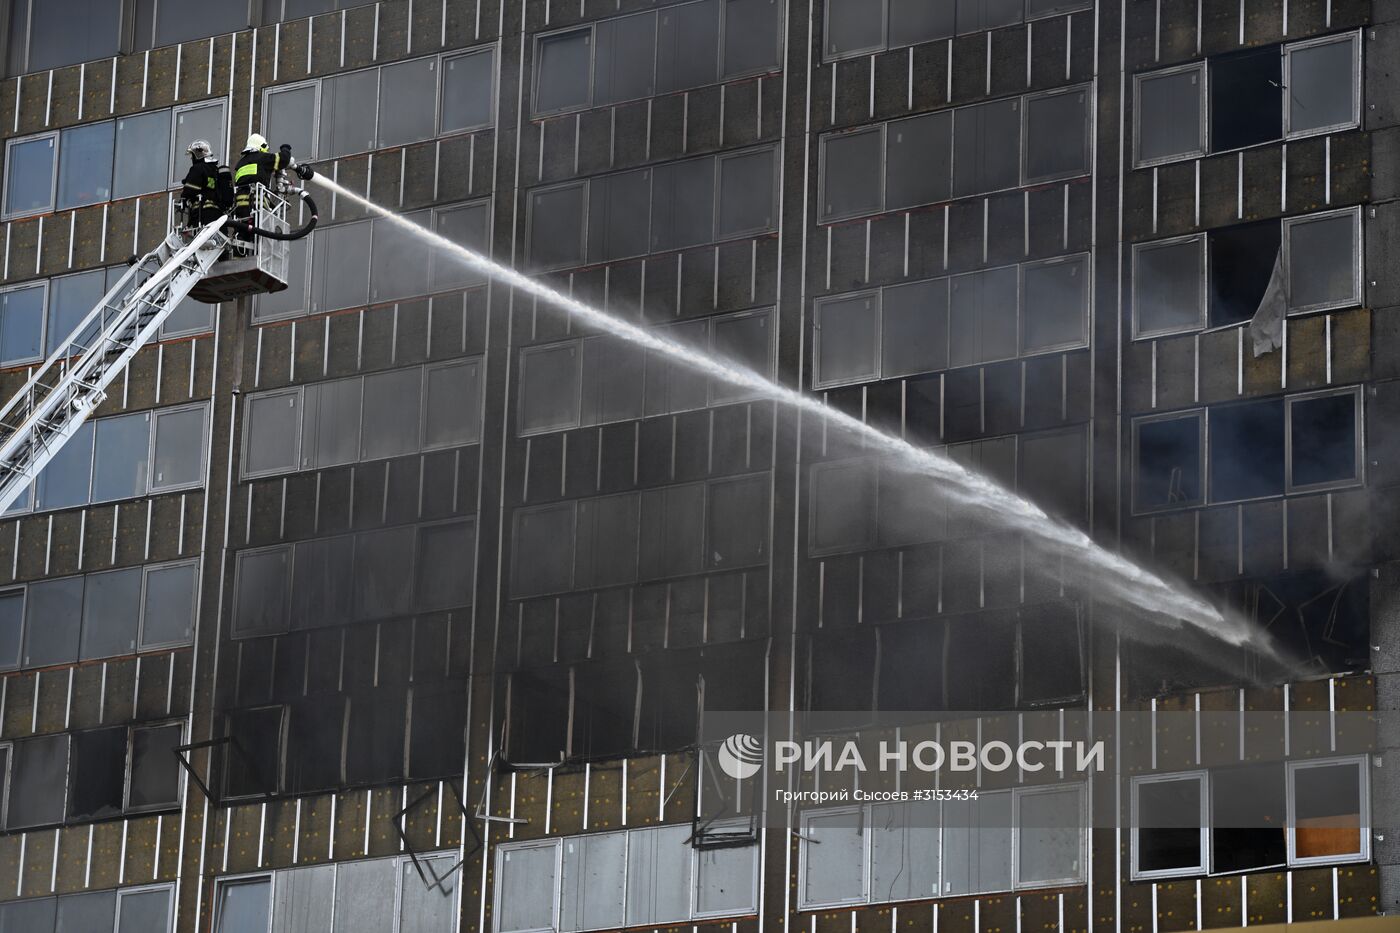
[(1110, 574)]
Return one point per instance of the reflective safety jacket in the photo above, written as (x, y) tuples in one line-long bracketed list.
[(254, 168)]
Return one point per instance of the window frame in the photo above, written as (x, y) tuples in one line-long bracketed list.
[(167, 887), (498, 888), (1203, 94), (443, 58), (824, 142), (540, 38), (221, 146), (47, 286), (804, 860), (227, 881), (1352, 38), (10, 144), (775, 194), (1201, 413), (130, 764), (1359, 416), (1019, 794), (156, 414), (818, 306), (1358, 245), (583, 184), (1090, 126), (1202, 779), (881, 46), (315, 83), (1362, 763), (238, 559), (8, 746), (1085, 339), (246, 440), (1203, 287)]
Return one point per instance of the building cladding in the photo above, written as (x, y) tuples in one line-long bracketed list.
[(394, 601)]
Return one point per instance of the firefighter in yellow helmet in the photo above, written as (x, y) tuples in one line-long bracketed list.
[(256, 166)]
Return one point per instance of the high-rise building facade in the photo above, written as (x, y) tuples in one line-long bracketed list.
[(424, 589)]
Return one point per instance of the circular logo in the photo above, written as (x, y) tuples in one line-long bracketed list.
[(741, 756)]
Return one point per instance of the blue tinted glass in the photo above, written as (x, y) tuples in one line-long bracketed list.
[(29, 176), (21, 325), (85, 165)]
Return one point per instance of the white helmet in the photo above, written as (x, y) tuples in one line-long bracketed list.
[(200, 149), (255, 143)]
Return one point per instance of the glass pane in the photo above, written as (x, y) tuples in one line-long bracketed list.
[(119, 461), (683, 204), (1322, 86), (613, 372), (36, 914), (155, 771), (340, 267), (914, 21), (38, 776), (607, 541), (834, 859), (918, 160), (549, 387), (407, 102), (1322, 262), (672, 536), (111, 613), (544, 550), (977, 845), (11, 627), (1246, 448), (446, 565), (177, 22), (851, 173), (468, 88), (85, 168), (987, 147), (22, 325), (737, 534), (144, 911), (903, 852), (1057, 136), (1169, 115), (179, 459), (168, 616), (726, 880), (206, 122), (561, 73), (392, 404), (975, 15), (322, 572), (364, 896), (746, 341), (452, 412), (594, 875), (618, 206), (847, 340), (1168, 288), (523, 874), (66, 32), (1168, 825), (71, 297), (292, 300), (428, 907), (851, 27), (383, 565), (750, 36), (65, 481), (556, 227), (29, 175), (1249, 818), (290, 117), (1245, 104), (658, 876), (914, 328), (1051, 838), (304, 899), (670, 385), (982, 309), (331, 425), (1056, 305), (1168, 463), (243, 907), (53, 617), (398, 261), (271, 431), (1323, 441), (465, 226), (1326, 810), (135, 171), (85, 913), (260, 598), (624, 63), (843, 505), (347, 115), (687, 53), (745, 192)]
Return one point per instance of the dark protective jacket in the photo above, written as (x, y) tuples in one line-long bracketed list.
[(210, 184), (254, 168)]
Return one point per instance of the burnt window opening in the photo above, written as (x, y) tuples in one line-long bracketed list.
[(1244, 99), (539, 716), (316, 727), (253, 755), (1248, 818), (1242, 260), (841, 677), (437, 733), (1247, 451), (1321, 618), (604, 709), (1051, 654), (98, 773), (375, 735), (911, 667), (980, 663), (669, 705), (1169, 457)]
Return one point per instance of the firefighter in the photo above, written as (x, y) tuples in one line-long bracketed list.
[(207, 191), (256, 167)]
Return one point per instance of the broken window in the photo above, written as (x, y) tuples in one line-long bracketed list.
[(833, 858), (1169, 825), (1242, 262), (323, 569), (38, 777), (1169, 114), (316, 743), (606, 554), (1054, 472), (383, 567), (1057, 135), (446, 565), (1051, 654), (904, 856), (1323, 253), (542, 561), (1244, 99), (437, 730), (1168, 462), (604, 709), (592, 878), (1055, 310), (539, 715), (374, 737), (1327, 810), (1050, 836), (154, 780), (977, 844), (1324, 440), (1320, 79), (980, 659), (1246, 450), (98, 774), (1247, 818), (523, 871)]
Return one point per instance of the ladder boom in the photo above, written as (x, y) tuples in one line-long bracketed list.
[(65, 390)]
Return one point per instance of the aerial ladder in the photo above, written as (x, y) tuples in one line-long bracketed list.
[(222, 260)]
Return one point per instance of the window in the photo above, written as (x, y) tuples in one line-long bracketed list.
[(142, 909), (289, 116), (1056, 299), (986, 147), (178, 458), (1256, 96), (751, 37), (52, 622), (1322, 253), (1169, 286), (42, 34), (154, 770), (347, 125), (29, 175), (159, 24), (834, 857), (982, 309), (134, 172), (1057, 135), (1050, 836), (599, 380), (340, 265), (1169, 455), (843, 506), (543, 557), (1324, 440), (98, 773), (1246, 450), (279, 11), (243, 906), (125, 910), (1248, 818), (85, 171), (38, 778), (271, 434), (260, 591), (1328, 817), (1169, 820), (522, 873), (22, 324), (197, 121)]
